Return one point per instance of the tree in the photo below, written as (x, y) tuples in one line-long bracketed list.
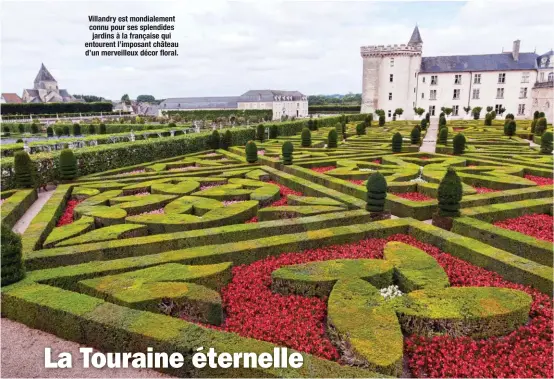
[(424, 124), (226, 140), (260, 133), (213, 141), (68, 165), (24, 170), (488, 119), (510, 129), (21, 128), (415, 136), (489, 108), (546, 143), (428, 117), (332, 139), (311, 124), (65, 130), (476, 112), (541, 114), (306, 137), (90, 98), (442, 122), (398, 111), (12, 266), (541, 126), (315, 127), (397, 143), (59, 131), (34, 128), (450, 194), (360, 129), (419, 111), (125, 98), (376, 186), (493, 115), (102, 128), (146, 98), (447, 111), (381, 120), (287, 150), (536, 115), (443, 136), (91, 129), (251, 152), (50, 131), (273, 131), (380, 112), (76, 129), (459, 144), (510, 116)]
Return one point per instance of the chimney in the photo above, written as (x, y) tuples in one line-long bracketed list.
[(515, 50)]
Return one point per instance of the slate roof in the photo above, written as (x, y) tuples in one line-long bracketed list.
[(32, 92), (214, 102), (416, 37), (11, 98), (268, 95), (44, 74), (486, 62)]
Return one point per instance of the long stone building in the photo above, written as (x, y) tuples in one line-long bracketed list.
[(397, 76)]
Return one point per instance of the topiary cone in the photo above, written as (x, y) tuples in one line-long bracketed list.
[(546, 143), (12, 267), (443, 136), (287, 150), (24, 170), (332, 139), (251, 151), (376, 192), (68, 165), (459, 144), (415, 136), (397, 142), (450, 194), (306, 137)]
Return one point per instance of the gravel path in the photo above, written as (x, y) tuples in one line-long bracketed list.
[(23, 356), (23, 223), (430, 141)]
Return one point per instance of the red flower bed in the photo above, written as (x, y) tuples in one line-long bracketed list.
[(323, 169), (539, 226), (67, 216), (484, 190), (541, 181), (414, 196), (376, 161), (359, 182), (284, 191), (424, 158), (254, 311), (458, 129)]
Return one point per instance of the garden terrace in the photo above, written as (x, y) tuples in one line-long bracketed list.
[(203, 248)]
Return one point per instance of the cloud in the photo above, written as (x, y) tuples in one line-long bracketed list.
[(229, 47)]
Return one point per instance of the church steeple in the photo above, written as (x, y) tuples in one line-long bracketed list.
[(415, 39), (44, 75)]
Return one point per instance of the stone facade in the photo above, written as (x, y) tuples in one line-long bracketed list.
[(46, 90)]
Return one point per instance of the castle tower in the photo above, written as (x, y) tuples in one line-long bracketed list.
[(390, 76)]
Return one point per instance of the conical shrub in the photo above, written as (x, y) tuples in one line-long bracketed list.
[(213, 141), (68, 165), (546, 143), (450, 194), (459, 144), (332, 139), (443, 136), (287, 150), (260, 133), (24, 170), (251, 151), (397, 142), (306, 137), (376, 187), (12, 268), (415, 136), (226, 140)]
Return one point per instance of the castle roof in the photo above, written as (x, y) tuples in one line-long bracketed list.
[(416, 37), (213, 102), (44, 75), (268, 95), (485, 62)]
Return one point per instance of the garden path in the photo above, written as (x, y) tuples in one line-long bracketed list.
[(430, 141), (23, 223)]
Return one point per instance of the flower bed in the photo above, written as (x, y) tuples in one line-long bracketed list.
[(413, 196), (358, 182), (539, 226), (67, 216), (323, 169), (541, 181), (253, 310), (484, 190), (284, 192)]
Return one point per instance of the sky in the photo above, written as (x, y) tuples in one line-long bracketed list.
[(229, 47)]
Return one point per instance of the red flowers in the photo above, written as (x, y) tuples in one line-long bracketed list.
[(376, 161), (541, 181), (67, 216), (414, 196), (254, 311), (484, 190), (539, 226), (358, 182), (284, 191), (323, 169)]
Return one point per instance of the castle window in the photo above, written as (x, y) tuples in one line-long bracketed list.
[(521, 109), (501, 78), (392, 62), (477, 79), (433, 94), (500, 93), (390, 113), (456, 94), (422, 95), (525, 77), (432, 110), (423, 79), (390, 95), (434, 80), (455, 109), (523, 93), (457, 79), (391, 77), (476, 94), (497, 108), (551, 77), (542, 77)]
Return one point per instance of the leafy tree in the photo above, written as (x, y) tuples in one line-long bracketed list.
[(397, 143), (146, 98), (12, 267), (443, 136), (125, 98), (273, 131), (476, 112), (76, 129), (91, 129), (311, 124), (442, 115), (459, 144), (24, 170), (251, 152), (213, 141), (419, 111), (287, 150), (332, 139), (90, 98), (415, 136), (398, 111), (226, 140), (380, 112), (376, 186), (546, 143), (428, 117), (50, 131), (536, 115), (102, 128), (447, 111), (59, 131), (381, 120), (450, 194), (260, 133), (510, 129), (315, 127), (306, 137), (489, 108), (541, 114), (68, 165)]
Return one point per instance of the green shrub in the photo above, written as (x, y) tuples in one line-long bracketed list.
[(68, 165), (172, 125), (24, 170), (251, 152), (476, 112), (459, 144), (510, 128), (34, 128), (76, 129), (360, 129), (311, 124), (443, 136), (287, 150), (50, 131), (510, 116), (226, 140), (260, 133), (541, 126), (541, 115), (415, 135), (59, 131), (489, 109), (273, 131), (428, 117), (382, 120), (376, 187), (332, 139), (91, 129), (488, 119), (493, 115), (343, 128), (442, 122), (424, 124), (12, 261), (21, 128), (450, 194), (536, 115), (65, 130), (546, 143), (306, 137), (19, 140), (397, 143), (441, 115), (102, 128), (213, 141)]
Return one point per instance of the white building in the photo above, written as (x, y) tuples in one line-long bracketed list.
[(281, 103), (397, 76)]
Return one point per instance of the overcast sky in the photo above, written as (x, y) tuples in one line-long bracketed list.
[(227, 48)]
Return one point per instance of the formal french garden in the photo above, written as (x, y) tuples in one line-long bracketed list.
[(335, 237)]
